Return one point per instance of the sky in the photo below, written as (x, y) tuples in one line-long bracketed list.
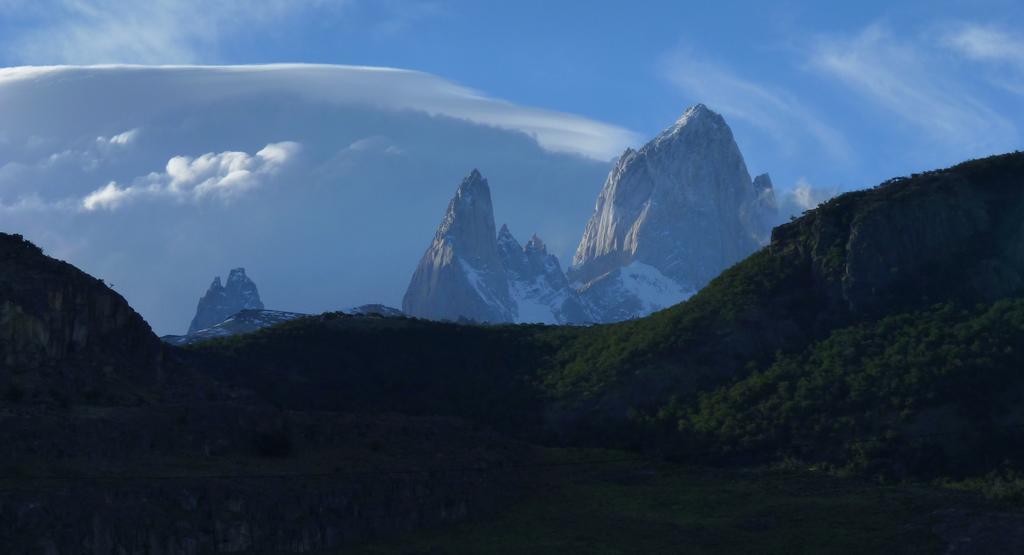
[(824, 97)]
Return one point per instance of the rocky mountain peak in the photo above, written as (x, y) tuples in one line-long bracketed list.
[(461, 274), (535, 244), (223, 301), (683, 206), (763, 182)]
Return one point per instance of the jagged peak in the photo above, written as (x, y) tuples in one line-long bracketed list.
[(472, 182), (237, 274), (693, 116), (506, 239), (536, 244), (763, 182), (216, 283)]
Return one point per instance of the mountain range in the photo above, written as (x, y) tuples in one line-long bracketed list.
[(876, 336), (670, 216)]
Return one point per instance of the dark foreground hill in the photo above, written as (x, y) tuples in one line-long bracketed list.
[(111, 443), (904, 281)]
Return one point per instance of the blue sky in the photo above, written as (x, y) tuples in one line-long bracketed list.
[(832, 94)]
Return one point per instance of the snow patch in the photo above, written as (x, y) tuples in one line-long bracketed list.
[(654, 289)]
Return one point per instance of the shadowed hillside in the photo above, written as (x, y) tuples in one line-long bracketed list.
[(895, 251)]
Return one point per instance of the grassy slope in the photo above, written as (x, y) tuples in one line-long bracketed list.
[(644, 507)]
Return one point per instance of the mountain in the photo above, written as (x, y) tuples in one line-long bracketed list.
[(376, 309), (469, 273), (461, 275), (244, 321), (537, 284), (223, 301), (250, 320), (670, 217), (881, 316)]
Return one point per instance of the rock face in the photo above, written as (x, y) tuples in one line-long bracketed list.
[(461, 275), (761, 215), (537, 284), (469, 273), (949, 233), (671, 217), (65, 335), (675, 213), (223, 301)]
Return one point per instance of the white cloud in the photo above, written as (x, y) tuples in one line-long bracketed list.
[(153, 31), (222, 175), (110, 196), (773, 110), (802, 197), (909, 81), (121, 139), (1002, 51), (988, 43), (373, 87)]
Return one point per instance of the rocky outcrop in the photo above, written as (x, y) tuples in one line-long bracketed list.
[(223, 301), (683, 207), (761, 215), (461, 275), (949, 234), (468, 273), (65, 335), (537, 284)]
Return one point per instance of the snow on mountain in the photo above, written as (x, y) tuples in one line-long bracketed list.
[(244, 321), (537, 284), (632, 291), (376, 310)]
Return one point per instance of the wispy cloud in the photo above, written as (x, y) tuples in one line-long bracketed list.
[(998, 48), (908, 79), (988, 43), (772, 109), (223, 175), (149, 32)]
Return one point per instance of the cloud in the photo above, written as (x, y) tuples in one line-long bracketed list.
[(153, 31), (773, 110), (121, 139), (224, 175), (913, 84), (1001, 50), (372, 87), (988, 43), (802, 197)]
